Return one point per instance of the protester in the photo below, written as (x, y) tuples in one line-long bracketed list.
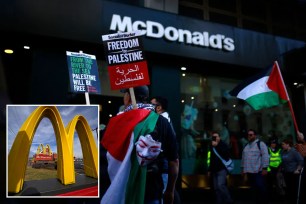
[(254, 164), (138, 140), (275, 184), (301, 148), (218, 170), (301, 144), (161, 106), (292, 164)]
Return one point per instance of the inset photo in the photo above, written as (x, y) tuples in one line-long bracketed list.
[(52, 151)]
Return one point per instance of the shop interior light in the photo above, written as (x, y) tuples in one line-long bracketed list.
[(26, 47), (110, 115), (8, 51), (183, 74), (109, 101), (183, 68), (300, 85), (183, 101)]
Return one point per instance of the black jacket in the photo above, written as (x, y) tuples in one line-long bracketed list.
[(215, 163)]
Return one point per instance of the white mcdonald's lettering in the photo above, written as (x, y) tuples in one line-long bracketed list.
[(156, 30)]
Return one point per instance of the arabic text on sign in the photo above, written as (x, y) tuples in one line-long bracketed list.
[(126, 79)]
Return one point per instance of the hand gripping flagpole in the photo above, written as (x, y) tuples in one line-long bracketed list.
[(288, 99), (131, 89)]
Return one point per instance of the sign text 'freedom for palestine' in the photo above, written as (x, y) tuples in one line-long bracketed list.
[(127, 66)]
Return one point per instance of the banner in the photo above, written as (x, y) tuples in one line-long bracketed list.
[(83, 73), (127, 66)]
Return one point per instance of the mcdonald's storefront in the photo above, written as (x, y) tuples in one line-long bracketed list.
[(216, 57)]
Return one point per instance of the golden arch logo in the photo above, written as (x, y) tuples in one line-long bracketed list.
[(19, 153), (41, 149)]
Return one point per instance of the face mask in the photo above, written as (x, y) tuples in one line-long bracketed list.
[(147, 150)]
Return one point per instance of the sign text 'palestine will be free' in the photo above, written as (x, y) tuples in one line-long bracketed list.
[(127, 66), (83, 73)]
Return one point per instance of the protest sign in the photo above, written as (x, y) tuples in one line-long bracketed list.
[(127, 66), (83, 73)]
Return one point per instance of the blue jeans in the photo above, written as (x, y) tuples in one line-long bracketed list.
[(153, 202), (259, 186), (165, 181), (220, 185)]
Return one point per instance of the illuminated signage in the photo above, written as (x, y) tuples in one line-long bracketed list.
[(154, 29)]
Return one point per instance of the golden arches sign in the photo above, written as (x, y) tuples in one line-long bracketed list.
[(41, 149), (19, 153)]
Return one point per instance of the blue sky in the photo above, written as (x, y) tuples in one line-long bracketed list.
[(16, 115)]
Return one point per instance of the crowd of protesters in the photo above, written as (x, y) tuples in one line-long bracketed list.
[(273, 169)]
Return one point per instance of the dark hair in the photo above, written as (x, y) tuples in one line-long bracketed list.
[(141, 93), (142, 99), (163, 102), (215, 132), (255, 133), (288, 141), (273, 140)]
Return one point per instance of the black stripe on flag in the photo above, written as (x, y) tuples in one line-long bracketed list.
[(245, 83)]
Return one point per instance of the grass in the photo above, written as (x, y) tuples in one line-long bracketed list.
[(39, 174)]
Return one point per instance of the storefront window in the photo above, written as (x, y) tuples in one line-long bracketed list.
[(207, 106)]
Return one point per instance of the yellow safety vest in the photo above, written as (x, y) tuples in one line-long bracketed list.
[(275, 159), (208, 158)]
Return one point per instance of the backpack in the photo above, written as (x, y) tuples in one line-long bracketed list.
[(258, 145)]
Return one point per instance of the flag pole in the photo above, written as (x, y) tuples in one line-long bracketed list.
[(132, 93), (293, 117), (289, 101)]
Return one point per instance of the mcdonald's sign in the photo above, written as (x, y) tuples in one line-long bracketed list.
[(20, 149)]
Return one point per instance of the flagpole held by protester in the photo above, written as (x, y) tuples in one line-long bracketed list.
[(265, 90), (131, 89), (289, 101)]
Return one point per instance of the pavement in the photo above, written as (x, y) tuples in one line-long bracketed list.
[(206, 196)]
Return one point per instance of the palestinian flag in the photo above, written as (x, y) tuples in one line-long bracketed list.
[(264, 90), (127, 177)]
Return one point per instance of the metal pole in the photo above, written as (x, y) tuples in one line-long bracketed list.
[(299, 188)]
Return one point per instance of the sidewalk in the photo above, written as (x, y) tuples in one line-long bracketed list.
[(206, 196)]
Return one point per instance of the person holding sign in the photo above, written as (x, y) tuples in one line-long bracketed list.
[(137, 141)]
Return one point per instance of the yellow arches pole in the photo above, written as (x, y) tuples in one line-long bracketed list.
[(19, 153), (90, 152)]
